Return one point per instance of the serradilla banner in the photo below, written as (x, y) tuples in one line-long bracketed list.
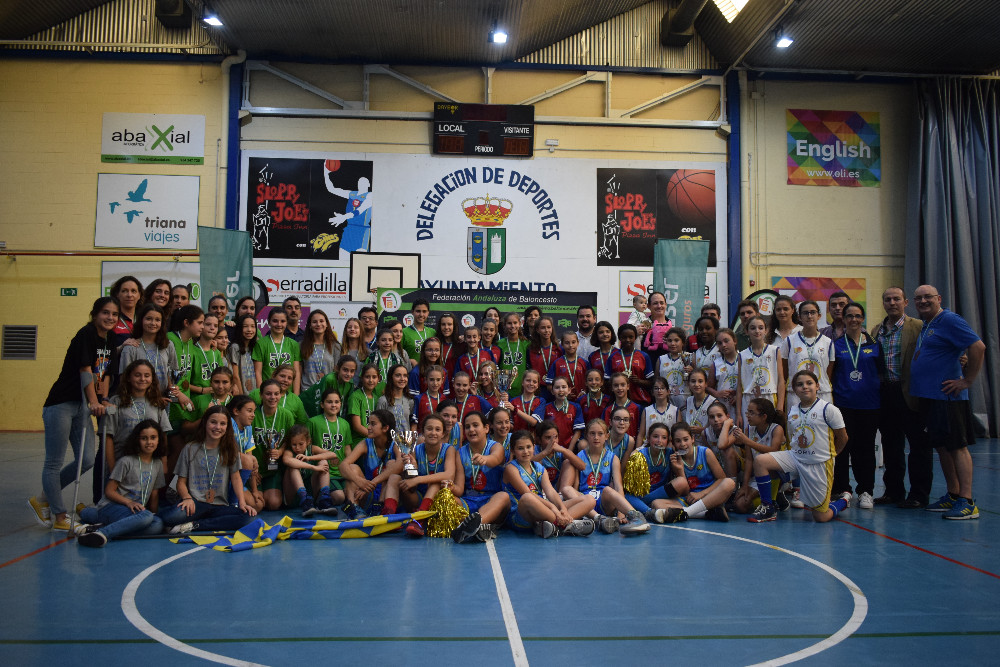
[(679, 269), (834, 148)]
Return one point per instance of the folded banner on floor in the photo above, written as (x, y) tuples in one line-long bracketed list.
[(260, 534)]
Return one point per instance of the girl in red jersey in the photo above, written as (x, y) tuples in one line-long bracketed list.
[(594, 400), (604, 340), (634, 363), (620, 399), (543, 350), (525, 406), (567, 415)]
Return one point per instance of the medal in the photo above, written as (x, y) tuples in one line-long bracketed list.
[(856, 376), (210, 496), (854, 357)]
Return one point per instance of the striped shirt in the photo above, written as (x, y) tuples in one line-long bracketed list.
[(890, 339)]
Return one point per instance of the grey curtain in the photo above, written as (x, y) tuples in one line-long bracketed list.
[(953, 216)]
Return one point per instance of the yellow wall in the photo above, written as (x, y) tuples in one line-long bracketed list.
[(50, 146), (827, 232)]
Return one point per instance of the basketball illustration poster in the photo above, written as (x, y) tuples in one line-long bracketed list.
[(635, 207)]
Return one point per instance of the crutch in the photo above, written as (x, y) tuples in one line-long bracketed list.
[(85, 380)]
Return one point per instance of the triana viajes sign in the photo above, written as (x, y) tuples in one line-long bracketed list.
[(153, 138)]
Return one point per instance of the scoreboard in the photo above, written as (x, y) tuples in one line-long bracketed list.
[(489, 130)]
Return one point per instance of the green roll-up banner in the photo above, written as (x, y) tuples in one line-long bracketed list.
[(679, 270), (226, 260)]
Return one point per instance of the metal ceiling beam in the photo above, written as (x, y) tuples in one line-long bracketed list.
[(601, 77), (304, 85), (683, 90), (410, 81)]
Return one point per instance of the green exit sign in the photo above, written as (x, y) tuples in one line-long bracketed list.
[(67, 291)]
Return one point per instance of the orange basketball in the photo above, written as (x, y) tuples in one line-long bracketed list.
[(333, 165), (691, 196)]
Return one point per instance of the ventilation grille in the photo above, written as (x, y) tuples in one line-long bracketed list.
[(20, 342)]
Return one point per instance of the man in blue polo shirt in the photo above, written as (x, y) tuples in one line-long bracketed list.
[(937, 379)]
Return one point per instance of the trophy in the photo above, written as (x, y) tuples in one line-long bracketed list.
[(406, 440), (504, 377), (271, 438), (686, 358), (176, 375)]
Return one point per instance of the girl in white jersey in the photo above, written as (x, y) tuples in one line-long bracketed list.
[(662, 411), (698, 403), (816, 434), (808, 350), (765, 433), (760, 373), (724, 375)]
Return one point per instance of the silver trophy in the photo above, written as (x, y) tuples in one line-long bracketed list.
[(406, 440), (271, 440), (177, 374), (687, 360), (504, 378)]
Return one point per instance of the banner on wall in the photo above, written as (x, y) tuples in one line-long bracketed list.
[(309, 209), (640, 283), (178, 273), (635, 207), (469, 305), (679, 269), (147, 211), (833, 148), (226, 264), (820, 289), (156, 138), (477, 223)]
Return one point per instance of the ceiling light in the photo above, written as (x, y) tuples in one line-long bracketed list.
[(498, 37), (212, 20), (781, 39), (730, 8)]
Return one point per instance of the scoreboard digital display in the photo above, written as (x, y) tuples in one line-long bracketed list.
[(489, 130)]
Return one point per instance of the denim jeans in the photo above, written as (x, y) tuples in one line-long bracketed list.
[(207, 516), (65, 424), (120, 520)]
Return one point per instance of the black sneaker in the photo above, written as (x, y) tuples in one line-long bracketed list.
[(486, 532), (607, 524), (308, 506), (717, 514), (763, 513), (675, 515), (467, 529), (781, 501), (92, 539)]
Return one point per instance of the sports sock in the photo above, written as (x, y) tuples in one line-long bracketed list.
[(697, 510), (425, 504), (301, 493), (324, 491), (389, 506), (838, 506), (764, 488)]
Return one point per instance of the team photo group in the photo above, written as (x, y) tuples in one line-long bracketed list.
[(204, 420)]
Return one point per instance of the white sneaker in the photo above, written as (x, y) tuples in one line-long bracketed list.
[(182, 528), (846, 497), (865, 501), (796, 502)]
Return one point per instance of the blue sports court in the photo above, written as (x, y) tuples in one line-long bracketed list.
[(888, 586)]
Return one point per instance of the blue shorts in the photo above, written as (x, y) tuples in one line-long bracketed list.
[(473, 503), (518, 522)]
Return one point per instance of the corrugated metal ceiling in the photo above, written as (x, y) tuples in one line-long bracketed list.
[(911, 36)]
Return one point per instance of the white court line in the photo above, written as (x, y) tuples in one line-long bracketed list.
[(513, 634), (146, 628), (848, 629)]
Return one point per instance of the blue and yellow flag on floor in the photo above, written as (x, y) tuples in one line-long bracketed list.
[(259, 534)]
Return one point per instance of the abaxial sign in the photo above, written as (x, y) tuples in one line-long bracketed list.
[(147, 211), (153, 138)]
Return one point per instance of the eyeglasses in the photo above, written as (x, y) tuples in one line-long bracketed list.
[(753, 413), (926, 297), (854, 316), (621, 420)]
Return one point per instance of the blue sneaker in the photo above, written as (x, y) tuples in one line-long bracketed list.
[(942, 504), (962, 510)]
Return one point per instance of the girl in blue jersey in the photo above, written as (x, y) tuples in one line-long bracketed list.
[(500, 429), (534, 503), (551, 454), (708, 486), (366, 470), (435, 461), (479, 477), (601, 479), (619, 441), (666, 478)]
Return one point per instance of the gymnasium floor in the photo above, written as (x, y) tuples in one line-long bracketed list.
[(879, 587)]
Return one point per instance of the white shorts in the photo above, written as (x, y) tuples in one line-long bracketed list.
[(815, 479)]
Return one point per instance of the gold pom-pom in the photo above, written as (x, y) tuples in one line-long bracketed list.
[(450, 513), (635, 479)]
